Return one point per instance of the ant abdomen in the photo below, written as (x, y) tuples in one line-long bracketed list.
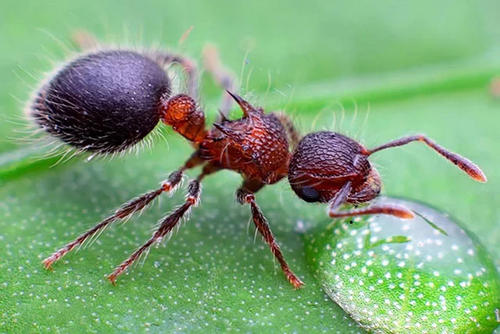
[(102, 102)]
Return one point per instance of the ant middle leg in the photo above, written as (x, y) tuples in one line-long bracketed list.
[(342, 195), (292, 132), (221, 76), (126, 210), (246, 195), (167, 223)]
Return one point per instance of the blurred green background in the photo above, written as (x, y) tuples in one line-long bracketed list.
[(375, 69)]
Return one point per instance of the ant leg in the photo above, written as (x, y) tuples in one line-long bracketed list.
[(167, 223), (84, 40), (165, 58), (222, 77), (246, 196), (341, 197), (123, 212), (126, 210), (463, 163), (293, 134)]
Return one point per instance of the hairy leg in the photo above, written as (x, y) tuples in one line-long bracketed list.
[(245, 195), (167, 223), (126, 210)]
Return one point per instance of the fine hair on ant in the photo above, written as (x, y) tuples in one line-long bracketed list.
[(107, 101)]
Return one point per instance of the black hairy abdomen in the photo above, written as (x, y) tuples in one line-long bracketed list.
[(102, 102)]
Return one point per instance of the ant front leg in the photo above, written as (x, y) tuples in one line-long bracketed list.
[(461, 162), (125, 211), (166, 225), (341, 197), (244, 195)]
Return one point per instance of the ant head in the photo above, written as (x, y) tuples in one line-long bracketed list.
[(324, 161), (102, 102)]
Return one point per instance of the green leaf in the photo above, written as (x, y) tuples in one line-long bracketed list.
[(211, 275), (325, 63), (402, 276)]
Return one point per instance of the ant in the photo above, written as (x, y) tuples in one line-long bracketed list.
[(106, 101)]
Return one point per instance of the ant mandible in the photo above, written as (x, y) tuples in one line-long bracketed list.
[(106, 101)]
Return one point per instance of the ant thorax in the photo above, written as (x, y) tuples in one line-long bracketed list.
[(256, 146)]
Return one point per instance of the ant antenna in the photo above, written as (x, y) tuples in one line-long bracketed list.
[(461, 162)]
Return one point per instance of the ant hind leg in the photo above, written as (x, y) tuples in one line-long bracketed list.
[(221, 76), (167, 223), (125, 210)]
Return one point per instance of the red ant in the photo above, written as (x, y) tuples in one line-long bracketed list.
[(106, 101)]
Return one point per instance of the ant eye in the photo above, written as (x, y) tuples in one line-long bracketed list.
[(102, 102), (309, 194)]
